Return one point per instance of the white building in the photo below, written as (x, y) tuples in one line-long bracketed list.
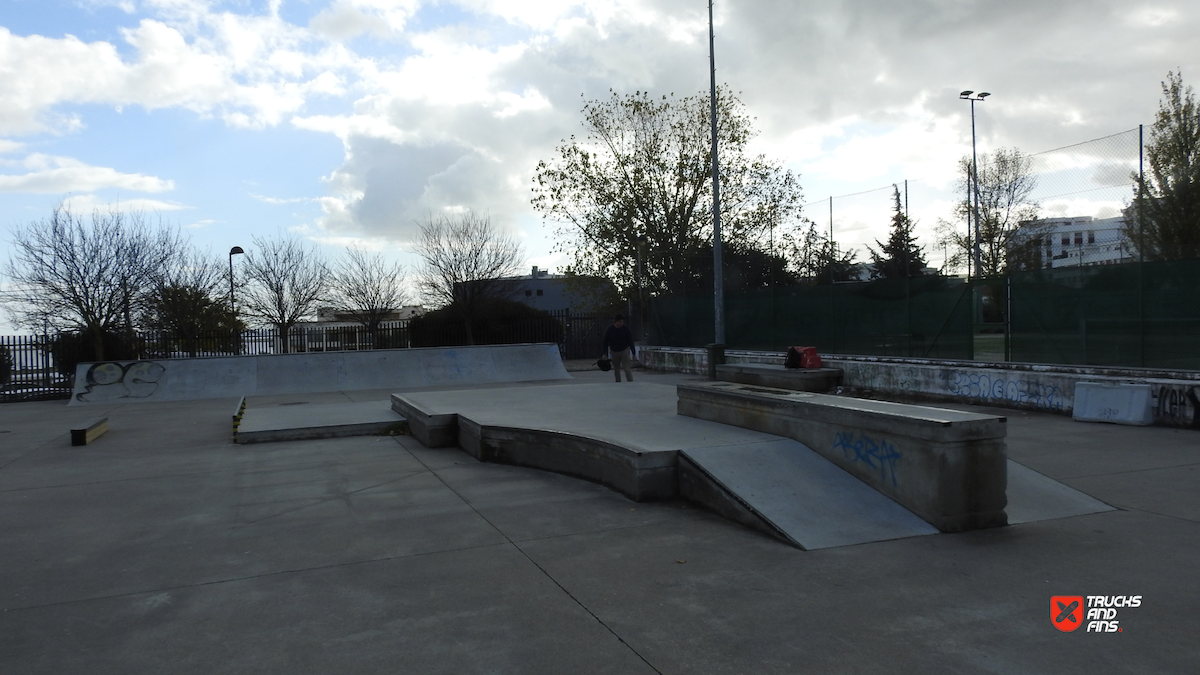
[(1080, 240)]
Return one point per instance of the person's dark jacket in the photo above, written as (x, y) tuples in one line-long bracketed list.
[(617, 339)]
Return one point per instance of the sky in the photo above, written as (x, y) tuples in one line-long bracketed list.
[(347, 121)]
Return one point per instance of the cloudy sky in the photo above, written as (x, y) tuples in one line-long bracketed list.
[(347, 120)]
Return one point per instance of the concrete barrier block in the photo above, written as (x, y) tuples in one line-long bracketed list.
[(946, 466), (1114, 402)]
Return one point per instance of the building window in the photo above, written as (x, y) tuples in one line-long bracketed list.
[(1091, 237), (1078, 238), (529, 293), (539, 292), (1066, 240)]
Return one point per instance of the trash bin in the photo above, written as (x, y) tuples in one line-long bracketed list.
[(716, 357)]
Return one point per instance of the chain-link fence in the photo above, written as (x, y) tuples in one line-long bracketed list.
[(1074, 289)]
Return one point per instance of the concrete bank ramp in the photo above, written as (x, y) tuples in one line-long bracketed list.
[(801, 496), (232, 376)]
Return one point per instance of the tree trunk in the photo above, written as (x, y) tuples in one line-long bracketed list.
[(97, 342)]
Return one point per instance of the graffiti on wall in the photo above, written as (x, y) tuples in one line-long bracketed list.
[(108, 380), (997, 387), (1178, 405), (879, 454)]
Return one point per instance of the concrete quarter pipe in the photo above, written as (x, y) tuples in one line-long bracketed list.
[(395, 369)]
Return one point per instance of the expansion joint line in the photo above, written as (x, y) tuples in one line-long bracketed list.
[(543, 570)]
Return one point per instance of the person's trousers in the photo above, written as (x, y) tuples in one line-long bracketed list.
[(621, 361)]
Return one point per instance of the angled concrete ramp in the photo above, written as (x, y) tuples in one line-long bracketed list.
[(302, 421), (1033, 497), (793, 493)]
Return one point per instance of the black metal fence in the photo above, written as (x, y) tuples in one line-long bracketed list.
[(36, 367)]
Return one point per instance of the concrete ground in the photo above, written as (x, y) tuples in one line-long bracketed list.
[(163, 547)]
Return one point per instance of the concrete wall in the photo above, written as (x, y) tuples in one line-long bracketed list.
[(399, 369), (1048, 388)]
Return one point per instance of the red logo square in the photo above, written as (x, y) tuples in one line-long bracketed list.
[(1066, 612)]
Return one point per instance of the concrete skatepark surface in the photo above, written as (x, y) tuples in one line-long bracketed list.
[(814, 503), (163, 547), (397, 369)]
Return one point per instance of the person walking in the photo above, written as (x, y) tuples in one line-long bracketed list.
[(618, 344)]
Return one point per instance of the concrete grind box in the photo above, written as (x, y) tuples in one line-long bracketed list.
[(946, 466)]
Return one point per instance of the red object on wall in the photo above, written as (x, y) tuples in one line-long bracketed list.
[(802, 357), (809, 358)]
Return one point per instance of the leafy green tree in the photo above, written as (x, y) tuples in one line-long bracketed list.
[(192, 316), (900, 256), (190, 305), (6, 365), (642, 173), (815, 259), (1165, 222)]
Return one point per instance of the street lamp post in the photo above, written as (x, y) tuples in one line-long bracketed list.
[(641, 241), (973, 183), (718, 266), (716, 351), (236, 250)]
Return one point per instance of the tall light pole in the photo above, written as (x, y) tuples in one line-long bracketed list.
[(641, 241), (973, 181), (236, 250), (718, 267)]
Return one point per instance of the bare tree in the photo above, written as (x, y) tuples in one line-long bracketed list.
[(285, 281), (369, 288), (1004, 191), (465, 260), (90, 275)]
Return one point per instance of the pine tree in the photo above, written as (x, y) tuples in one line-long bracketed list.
[(900, 256)]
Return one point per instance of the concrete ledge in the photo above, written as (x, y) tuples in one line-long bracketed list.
[(637, 475), (1027, 386), (767, 375), (432, 430), (948, 467)]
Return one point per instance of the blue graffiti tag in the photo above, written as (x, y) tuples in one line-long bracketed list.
[(859, 447), (1025, 392)]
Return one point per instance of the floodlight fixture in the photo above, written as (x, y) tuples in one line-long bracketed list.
[(965, 93), (984, 95)]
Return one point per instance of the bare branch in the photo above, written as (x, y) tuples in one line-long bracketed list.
[(368, 287), (285, 281)]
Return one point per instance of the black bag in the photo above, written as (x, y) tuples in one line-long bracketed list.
[(792, 360), (604, 364)]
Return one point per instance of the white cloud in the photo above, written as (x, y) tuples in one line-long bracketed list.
[(57, 175), (458, 100), (280, 201), (86, 203)]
